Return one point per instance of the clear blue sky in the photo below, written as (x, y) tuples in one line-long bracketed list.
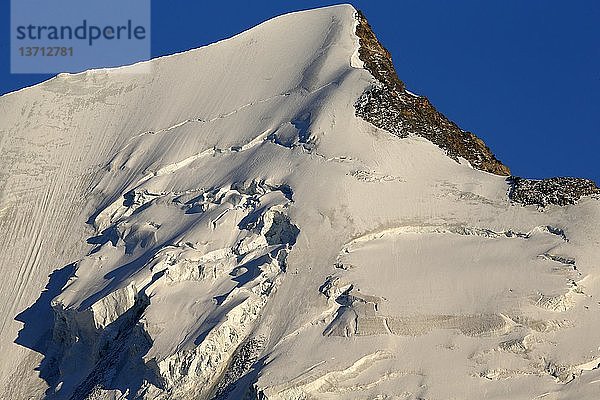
[(523, 75)]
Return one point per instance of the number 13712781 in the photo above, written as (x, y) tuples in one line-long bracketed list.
[(46, 51)]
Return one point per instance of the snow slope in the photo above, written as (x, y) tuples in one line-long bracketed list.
[(226, 227)]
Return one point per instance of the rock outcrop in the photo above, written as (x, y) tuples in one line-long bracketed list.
[(559, 191), (390, 106)]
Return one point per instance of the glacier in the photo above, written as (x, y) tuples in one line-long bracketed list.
[(275, 216)]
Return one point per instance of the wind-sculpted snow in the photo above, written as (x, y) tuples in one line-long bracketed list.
[(230, 226), (360, 314)]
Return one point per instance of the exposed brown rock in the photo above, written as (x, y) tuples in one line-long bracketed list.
[(376, 58), (391, 107)]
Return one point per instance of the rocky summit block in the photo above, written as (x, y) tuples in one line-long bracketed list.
[(391, 107), (560, 191)]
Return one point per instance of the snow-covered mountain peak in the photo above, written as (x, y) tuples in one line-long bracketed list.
[(275, 216)]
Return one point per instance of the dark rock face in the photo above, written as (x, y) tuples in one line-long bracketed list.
[(376, 58), (558, 191), (241, 363), (391, 107)]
